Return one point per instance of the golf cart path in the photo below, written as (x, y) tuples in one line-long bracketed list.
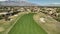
[(27, 25)]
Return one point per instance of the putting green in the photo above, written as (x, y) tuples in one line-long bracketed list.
[(26, 25)]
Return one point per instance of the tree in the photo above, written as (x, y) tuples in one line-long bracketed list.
[(58, 10)]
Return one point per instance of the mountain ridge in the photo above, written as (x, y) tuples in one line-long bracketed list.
[(16, 3)]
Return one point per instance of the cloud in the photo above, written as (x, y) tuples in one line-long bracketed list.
[(16, 0), (2, 0), (23, 0), (55, 3)]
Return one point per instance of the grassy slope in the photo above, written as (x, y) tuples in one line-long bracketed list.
[(51, 26), (26, 25)]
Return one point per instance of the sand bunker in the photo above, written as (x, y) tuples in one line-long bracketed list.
[(42, 19)]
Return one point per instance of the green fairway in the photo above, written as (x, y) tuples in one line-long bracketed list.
[(26, 25)]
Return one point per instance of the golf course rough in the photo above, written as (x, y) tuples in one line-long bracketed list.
[(26, 25)]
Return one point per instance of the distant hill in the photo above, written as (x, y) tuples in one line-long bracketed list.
[(16, 3)]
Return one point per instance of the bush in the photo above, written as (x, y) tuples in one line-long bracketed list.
[(0, 17)]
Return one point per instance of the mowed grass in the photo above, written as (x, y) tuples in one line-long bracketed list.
[(26, 25)]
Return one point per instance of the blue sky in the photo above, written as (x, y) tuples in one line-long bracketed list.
[(44, 2)]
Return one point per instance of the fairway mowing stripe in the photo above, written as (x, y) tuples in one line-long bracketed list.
[(14, 23), (26, 25)]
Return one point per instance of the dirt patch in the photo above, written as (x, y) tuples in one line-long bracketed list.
[(2, 29)]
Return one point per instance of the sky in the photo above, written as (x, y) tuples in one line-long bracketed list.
[(42, 2), (45, 2)]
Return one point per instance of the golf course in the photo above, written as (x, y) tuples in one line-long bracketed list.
[(27, 25)]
